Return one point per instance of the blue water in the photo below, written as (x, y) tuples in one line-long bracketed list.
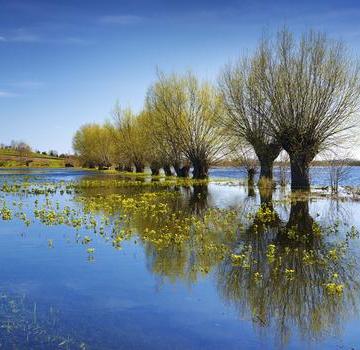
[(319, 175), (54, 296)]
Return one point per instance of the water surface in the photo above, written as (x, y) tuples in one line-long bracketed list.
[(93, 261)]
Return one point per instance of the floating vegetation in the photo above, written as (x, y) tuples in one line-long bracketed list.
[(258, 256), (334, 288), (6, 213)]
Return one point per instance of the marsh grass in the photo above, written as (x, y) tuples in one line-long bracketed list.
[(23, 323)]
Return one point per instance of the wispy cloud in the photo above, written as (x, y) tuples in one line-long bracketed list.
[(27, 84), (19, 88), (20, 35), (25, 38), (69, 41), (7, 94), (121, 19), (29, 38)]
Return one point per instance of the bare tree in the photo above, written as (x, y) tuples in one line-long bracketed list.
[(339, 170), (243, 155), (313, 89), (23, 149), (243, 100)]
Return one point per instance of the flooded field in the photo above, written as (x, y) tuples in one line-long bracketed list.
[(95, 261)]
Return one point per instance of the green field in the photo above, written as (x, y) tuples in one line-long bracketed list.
[(9, 158)]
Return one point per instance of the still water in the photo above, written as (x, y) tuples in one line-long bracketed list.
[(90, 261)]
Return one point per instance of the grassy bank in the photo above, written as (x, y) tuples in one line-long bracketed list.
[(12, 159)]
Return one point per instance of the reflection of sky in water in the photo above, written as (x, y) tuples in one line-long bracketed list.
[(116, 301), (319, 175)]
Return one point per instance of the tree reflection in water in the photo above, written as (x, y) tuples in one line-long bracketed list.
[(285, 285), (199, 250), (287, 274)]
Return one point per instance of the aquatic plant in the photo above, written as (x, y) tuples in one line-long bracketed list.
[(6, 213)]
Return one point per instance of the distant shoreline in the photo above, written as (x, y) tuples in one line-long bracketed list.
[(61, 165), (10, 159)]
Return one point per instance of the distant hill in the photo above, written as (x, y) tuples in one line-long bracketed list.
[(10, 158)]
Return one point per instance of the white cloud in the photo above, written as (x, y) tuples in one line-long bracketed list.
[(120, 19), (27, 36)]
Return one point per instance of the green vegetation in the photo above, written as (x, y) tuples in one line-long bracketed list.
[(23, 322), (262, 264), (300, 96), (15, 158), (177, 128)]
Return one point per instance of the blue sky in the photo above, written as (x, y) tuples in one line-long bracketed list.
[(65, 63)]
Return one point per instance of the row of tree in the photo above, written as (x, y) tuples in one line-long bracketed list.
[(178, 128), (298, 95)]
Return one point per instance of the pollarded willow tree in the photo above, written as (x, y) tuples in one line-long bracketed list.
[(187, 113), (130, 135), (243, 99), (158, 153), (93, 144), (164, 105), (199, 134), (313, 88)]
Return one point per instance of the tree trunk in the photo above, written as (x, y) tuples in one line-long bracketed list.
[(181, 171), (139, 167), (300, 178), (177, 168), (185, 171), (251, 191), (155, 170), (128, 168), (103, 166), (251, 175), (266, 154), (201, 169), (167, 170), (266, 168)]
